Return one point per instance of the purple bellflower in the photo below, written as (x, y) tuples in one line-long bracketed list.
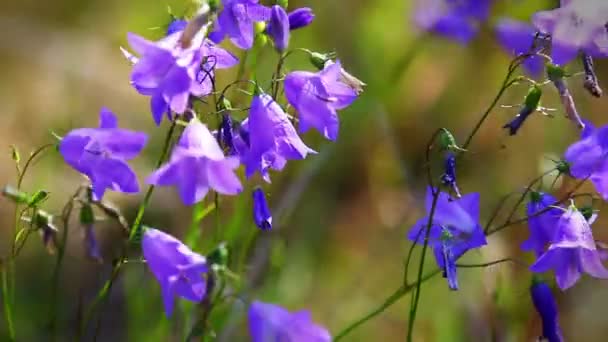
[(575, 26), (198, 164), (178, 270), (269, 322), (261, 212), (587, 158), (300, 17), (317, 97), (455, 230), (542, 227), (272, 138), (236, 21), (547, 309), (518, 38), (572, 251), (278, 28), (456, 20), (101, 154)]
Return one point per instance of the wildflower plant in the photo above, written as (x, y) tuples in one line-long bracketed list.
[(223, 142)]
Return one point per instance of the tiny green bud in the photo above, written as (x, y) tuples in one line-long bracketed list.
[(532, 99), (260, 41), (87, 216), (259, 27), (563, 167), (15, 195), (555, 72), (37, 198), (15, 154), (587, 212), (535, 196), (225, 104), (219, 256), (447, 141), (318, 59)]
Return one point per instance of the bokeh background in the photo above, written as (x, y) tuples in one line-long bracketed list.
[(340, 217)]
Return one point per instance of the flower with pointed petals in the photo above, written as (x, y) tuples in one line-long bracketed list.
[(518, 38), (317, 97), (542, 227), (272, 138), (547, 309), (261, 212), (101, 154), (455, 229), (236, 21), (575, 26), (269, 322), (456, 20), (572, 251), (198, 164), (278, 28), (178, 270), (587, 157), (300, 17)]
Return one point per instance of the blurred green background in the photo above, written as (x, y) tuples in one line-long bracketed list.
[(340, 217)]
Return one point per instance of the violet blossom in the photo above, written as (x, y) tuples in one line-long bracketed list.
[(300, 17), (542, 226), (518, 38), (269, 322), (261, 213), (236, 21), (547, 309)]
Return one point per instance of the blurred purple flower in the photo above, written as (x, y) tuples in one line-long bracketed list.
[(91, 244), (261, 212), (278, 28), (547, 309), (300, 17), (456, 20), (198, 164), (455, 230), (178, 270), (518, 38), (269, 322), (236, 21), (575, 26), (571, 252), (101, 154), (542, 227), (272, 138), (587, 157), (317, 97)]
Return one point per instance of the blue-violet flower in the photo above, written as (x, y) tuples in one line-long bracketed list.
[(269, 322)]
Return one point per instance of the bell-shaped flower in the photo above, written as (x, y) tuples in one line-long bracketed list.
[(236, 21), (269, 322), (101, 154), (261, 213), (518, 38), (547, 309), (178, 270), (542, 226), (456, 20), (575, 26), (197, 165), (272, 138), (455, 229), (317, 97), (278, 28), (572, 251)]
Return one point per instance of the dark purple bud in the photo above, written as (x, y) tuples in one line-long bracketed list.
[(449, 264), (591, 83), (547, 309), (278, 28), (176, 25), (261, 212), (449, 176), (91, 245), (300, 17), (515, 124), (226, 135)]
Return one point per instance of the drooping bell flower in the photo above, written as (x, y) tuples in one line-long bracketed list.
[(455, 20), (300, 17), (591, 83), (317, 97), (557, 77), (178, 270), (530, 105), (236, 21), (575, 26), (572, 251), (547, 309), (518, 38), (197, 165), (449, 176), (278, 28), (269, 322), (101, 154), (542, 226), (272, 138), (455, 229), (261, 213)]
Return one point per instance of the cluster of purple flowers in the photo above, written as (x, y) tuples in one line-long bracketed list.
[(174, 72)]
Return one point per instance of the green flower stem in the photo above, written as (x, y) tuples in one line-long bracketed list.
[(8, 310)]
